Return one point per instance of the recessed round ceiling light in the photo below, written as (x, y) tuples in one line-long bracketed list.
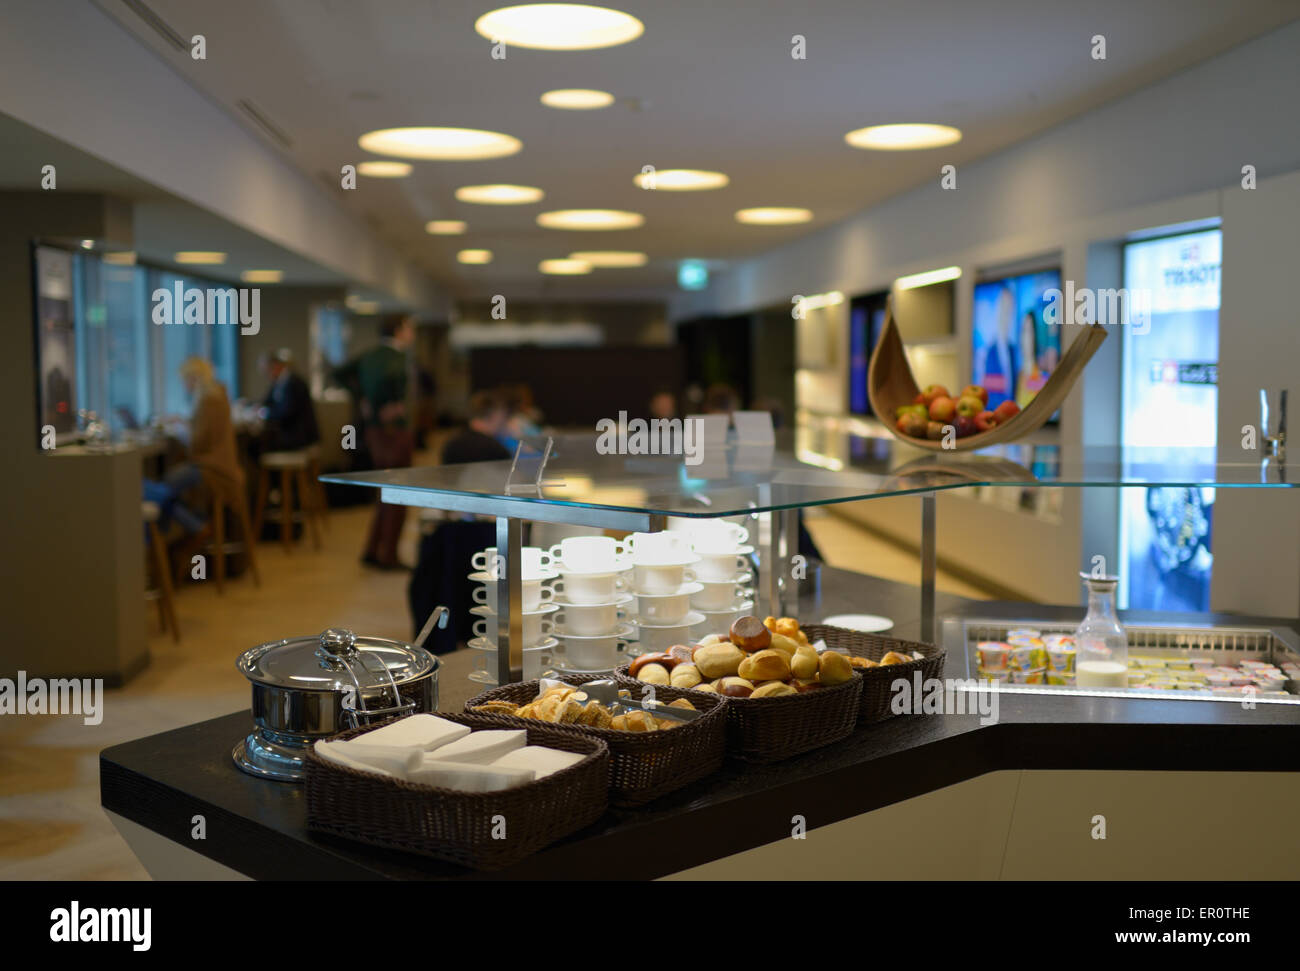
[(774, 216), (262, 276), (681, 180), (898, 138), (559, 26), (499, 195), (475, 257), (590, 219), (445, 227), (568, 267), (610, 258), (577, 99), (383, 169), (439, 143), (200, 257)]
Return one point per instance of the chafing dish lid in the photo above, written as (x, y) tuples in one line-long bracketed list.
[(329, 662)]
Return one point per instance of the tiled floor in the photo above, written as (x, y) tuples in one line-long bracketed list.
[(51, 824)]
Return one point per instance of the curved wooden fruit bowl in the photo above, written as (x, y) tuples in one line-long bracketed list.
[(890, 384)]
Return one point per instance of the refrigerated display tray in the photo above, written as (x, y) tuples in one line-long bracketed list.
[(1219, 644)]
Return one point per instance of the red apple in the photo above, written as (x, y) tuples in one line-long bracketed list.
[(913, 425), (970, 406), (965, 425), (920, 399), (986, 420), (1005, 410), (975, 391), (942, 409), (933, 391), (934, 430)]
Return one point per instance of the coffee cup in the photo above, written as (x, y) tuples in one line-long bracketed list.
[(714, 567), (660, 578), (588, 588), (589, 619)]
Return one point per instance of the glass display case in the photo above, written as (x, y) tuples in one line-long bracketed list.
[(574, 483)]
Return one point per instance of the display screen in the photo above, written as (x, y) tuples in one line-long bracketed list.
[(1170, 400), (866, 319), (1014, 350)]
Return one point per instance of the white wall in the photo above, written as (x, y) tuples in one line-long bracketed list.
[(1171, 153), (112, 97)]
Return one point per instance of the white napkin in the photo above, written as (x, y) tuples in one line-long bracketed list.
[(425, 732), (468, 778), (481, 748), (385, 760), (540, 759)]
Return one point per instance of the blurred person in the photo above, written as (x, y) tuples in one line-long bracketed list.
[(663, 404), (721, 399), (479, 440), (287, 407), (380, 377), (523, 417)]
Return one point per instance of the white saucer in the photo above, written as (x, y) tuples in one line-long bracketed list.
[(621, 564), (623, 630), (743, 605), (738, 551), (692, 618), (483, 610), (689, 560), (694, 587), (863, 623), (481, 576), (483, 644), (621, 600)]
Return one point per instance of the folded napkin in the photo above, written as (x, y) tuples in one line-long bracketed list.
[(481, 748), (468, 778), (425, 732), (385, 760), (542, 760)]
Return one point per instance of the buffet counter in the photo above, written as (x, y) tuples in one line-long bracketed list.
[(1059, 787)]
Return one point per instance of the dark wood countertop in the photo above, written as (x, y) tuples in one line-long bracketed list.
[(258, 827)]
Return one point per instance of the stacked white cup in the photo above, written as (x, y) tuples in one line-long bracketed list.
[(592, 597), (664, 581), (723, 573), (539, 609)]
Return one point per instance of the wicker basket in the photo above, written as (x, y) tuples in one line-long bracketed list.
[(877, 683), (642, 765), (459, 827), (775, 729)]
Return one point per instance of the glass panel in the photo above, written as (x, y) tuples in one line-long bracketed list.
[(815, 468)]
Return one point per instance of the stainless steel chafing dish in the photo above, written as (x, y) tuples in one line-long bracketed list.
[(308, 688)]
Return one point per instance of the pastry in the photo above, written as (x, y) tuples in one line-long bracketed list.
[(595, 715), (683, 653), (862, 663), (640, 721), (769, 665), (570, 711), (749, 634), (496, 708), (893, 657), (787, 626), (833, 668), (685, 676), (718, 660), (773, 689)]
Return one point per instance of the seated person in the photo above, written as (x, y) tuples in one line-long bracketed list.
[(479, 440), (288, 410)]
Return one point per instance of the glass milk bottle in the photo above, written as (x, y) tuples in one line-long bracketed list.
[(1101, 659)]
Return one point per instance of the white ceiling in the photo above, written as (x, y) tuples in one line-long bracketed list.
[(711, 84)]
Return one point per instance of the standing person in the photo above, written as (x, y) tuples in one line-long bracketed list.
[(287, 408), (380, 374)]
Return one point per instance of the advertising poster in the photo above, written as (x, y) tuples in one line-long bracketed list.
[(1014, 350), (1170, 400)]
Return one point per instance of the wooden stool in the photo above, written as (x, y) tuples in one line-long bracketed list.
[(227, 496), (293, 467), (163, 592), (317, 487)]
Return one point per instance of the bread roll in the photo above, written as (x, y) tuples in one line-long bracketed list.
[(769, 665), (706, 686), (734, 687), (654, 674), (893, 657), (682, 653), (773, 689), (640, 721), (786, 645), (862, 663), (805, 684), (712, 639), (805, 663), (681, 703), (718, 660), (833, 668), (686, 676), (787, 626), (663, 659), (749, 634)]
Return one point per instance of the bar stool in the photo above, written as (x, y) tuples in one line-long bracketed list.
[(163, 591), (293, 467), (316, 486), (229, 497)]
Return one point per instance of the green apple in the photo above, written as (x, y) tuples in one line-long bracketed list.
[(969, 406)]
